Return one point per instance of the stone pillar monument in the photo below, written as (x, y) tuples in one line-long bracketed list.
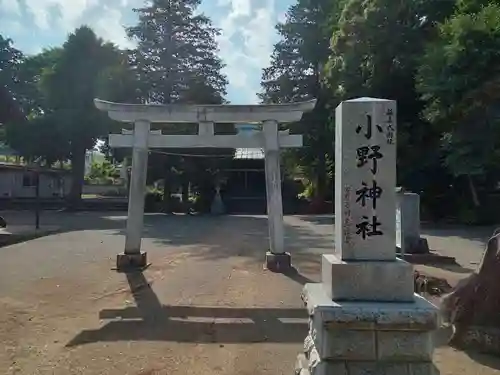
[(408, 240), (364, 316), (133, 257)]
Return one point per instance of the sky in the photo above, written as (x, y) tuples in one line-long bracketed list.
[(247, 27)]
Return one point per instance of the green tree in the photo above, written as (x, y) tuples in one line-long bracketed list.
[(36, 137), (102, 173), (176, 62), (69, 87), (459, 81), (375, 52), (295, 75), (10, 60), (176, 57)]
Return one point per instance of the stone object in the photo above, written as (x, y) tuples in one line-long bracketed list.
[(126, 261), (365, 179), (217, 207), (348, 280), (473, 306), (364, 316), (142, 139), (367, 337), (278, 262), (408, 238)]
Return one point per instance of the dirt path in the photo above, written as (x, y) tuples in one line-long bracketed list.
[(209, 309), (205, 306)]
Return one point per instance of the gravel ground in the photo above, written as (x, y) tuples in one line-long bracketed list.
[(204, 306)]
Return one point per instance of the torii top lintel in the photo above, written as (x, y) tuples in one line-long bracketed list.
[(195, 113)]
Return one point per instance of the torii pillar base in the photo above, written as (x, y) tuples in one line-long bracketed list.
[(278, 262), (131, 261)]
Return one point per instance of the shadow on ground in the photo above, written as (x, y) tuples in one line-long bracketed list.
[(473, 233), (442, 336), (152, 321), (457, 268), (206, 237), (319, 219), (484, 359)]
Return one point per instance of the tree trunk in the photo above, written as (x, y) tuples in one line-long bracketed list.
[(167, 192), (77, 175), (321, 181), (472, 307), (473, 191), (318, 201), (185, 193)]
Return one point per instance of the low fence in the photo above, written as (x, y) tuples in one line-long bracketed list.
[(105, 190)]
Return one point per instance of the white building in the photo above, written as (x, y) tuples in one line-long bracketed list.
[(19, 181)]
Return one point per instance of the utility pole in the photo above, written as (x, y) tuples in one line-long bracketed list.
[(37, 198)]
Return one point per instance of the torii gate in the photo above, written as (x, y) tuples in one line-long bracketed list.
[(142, 138)]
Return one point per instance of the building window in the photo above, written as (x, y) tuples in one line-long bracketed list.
[(29, 180)]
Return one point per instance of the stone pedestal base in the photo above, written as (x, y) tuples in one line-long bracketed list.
[(126, 261), (278, 262), (381, 281), (365, 368), (358, 338), (415, 245)]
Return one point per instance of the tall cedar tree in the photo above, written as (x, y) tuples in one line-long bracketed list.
[(176, 62), (176, 57), (295, 75)]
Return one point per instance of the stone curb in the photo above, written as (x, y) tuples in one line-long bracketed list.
[(12, 239)]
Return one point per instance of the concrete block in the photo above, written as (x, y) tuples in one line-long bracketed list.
[(342, 344), (382, 281), (390, 368), (278, 262), (424, 368), (377, 368), (371, 368), (329, 368), (317, 366), (414, 245), (126, 261), (418, 315), (404, 346)]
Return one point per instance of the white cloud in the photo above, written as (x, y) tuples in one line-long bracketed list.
[(10, 6), (238, 7), (110, 27), (67, 15), (13, 26), (246, 42), (254, 25), (70, 11)]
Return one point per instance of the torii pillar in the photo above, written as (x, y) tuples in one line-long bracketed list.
[(141, 139)]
